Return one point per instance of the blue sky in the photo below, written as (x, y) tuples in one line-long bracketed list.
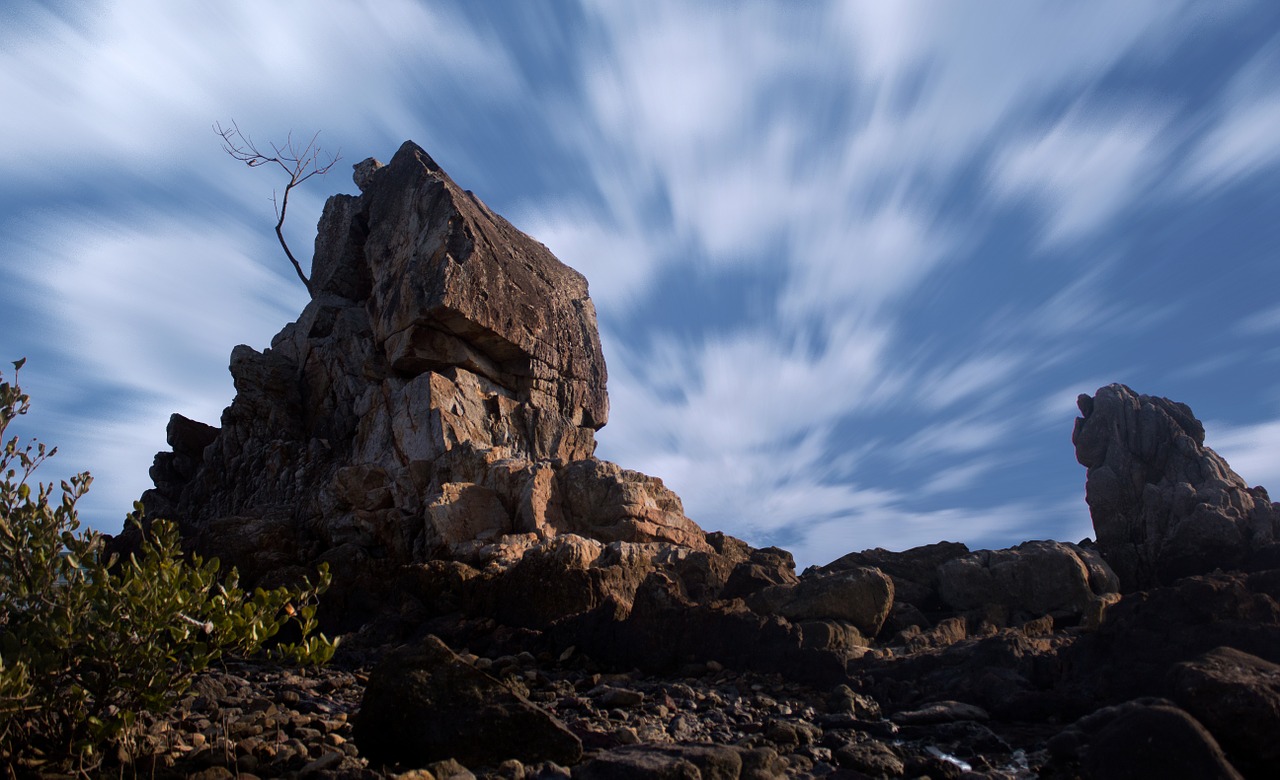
[(853, 261)]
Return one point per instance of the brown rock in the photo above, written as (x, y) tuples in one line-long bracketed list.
[(1151, 740), (1029, 580), (660, 762), (438, 396), (1146, 633), (1237, 697), (914, 572), (860, 596)]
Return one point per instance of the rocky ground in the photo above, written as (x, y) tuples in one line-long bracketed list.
[(259, 719)]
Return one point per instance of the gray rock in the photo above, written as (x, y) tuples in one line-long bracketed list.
[(425, 704), (362, 172), (1164, 505)]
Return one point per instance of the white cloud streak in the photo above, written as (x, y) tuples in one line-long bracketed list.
[(1242, 141), (1086, 170), (126, 87), (1250, 449)]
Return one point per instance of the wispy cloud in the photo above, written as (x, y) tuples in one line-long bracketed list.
[(123, 87), (1250, 449), (128, 304), (1242, 141), (1086, 170), (1261, 322)]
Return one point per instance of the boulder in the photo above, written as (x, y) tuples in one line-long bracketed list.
[(914, 572), (425, 703), (861, 596), (1164, 505), (761, 569), (1147, 738), (1032, 579), (1237, 697)]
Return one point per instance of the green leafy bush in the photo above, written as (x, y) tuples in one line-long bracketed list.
[(86, 644)]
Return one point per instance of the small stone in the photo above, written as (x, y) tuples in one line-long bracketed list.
[(450, 770), (940, 712), (626, 736), (325, 761), (609, 697)]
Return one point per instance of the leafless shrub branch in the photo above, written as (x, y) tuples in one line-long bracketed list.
[(300, 162)]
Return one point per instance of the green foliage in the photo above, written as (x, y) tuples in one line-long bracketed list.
[(86, 644)]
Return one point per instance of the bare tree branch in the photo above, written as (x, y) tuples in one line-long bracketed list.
[(299, 162)]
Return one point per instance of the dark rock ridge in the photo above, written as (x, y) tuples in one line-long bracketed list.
[(1164, 505), (427, 426)]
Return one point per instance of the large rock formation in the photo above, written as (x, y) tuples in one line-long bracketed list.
[(426, 427), (439, 394), (1164, 505)]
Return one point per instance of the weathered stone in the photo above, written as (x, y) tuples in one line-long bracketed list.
[(940, 712), (914, 572), (425, 704), (439, 395), (363, 171), (1150, 739), (1237, 697), (1164, 505), (875, 759), (1031, 579), (861, 596), (763, 568), (602, 500)]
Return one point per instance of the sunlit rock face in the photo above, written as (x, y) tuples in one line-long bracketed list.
[(1164, 505), (439, 395)]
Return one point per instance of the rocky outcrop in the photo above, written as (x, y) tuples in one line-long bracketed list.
[(426, 428), (439, 395), (1164, 505), (1027, 581)]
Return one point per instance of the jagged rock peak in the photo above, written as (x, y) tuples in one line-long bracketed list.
[(1164, 505)]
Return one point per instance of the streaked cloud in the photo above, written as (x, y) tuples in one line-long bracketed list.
[(1086, 171), (1250, 449)]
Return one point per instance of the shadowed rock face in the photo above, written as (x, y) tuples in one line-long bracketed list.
[(1164, 505)]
